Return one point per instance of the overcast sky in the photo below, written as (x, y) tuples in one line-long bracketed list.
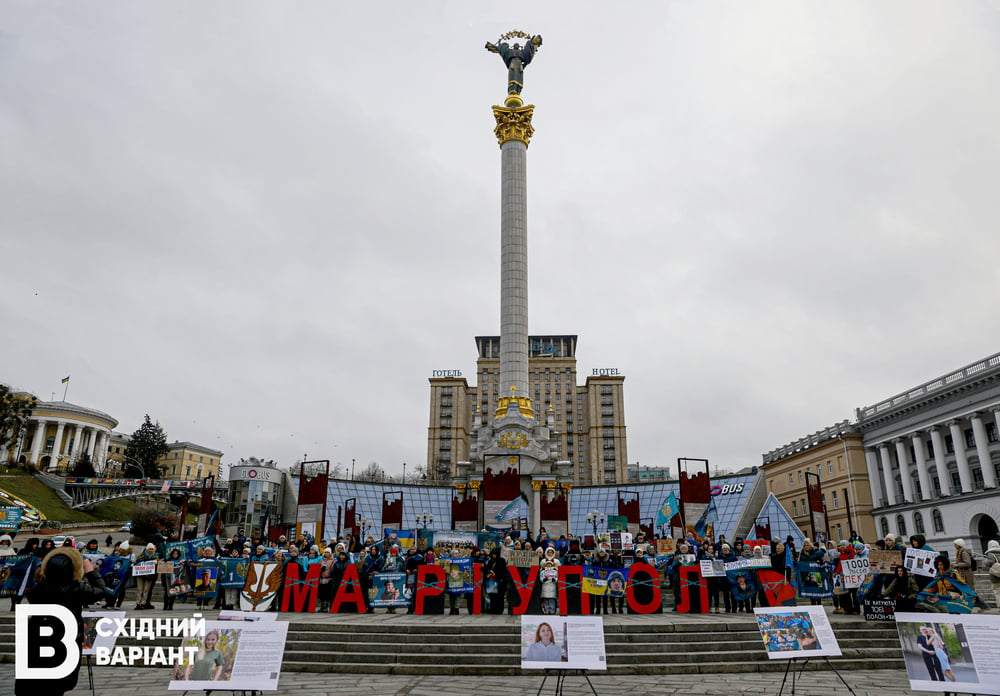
[(266, 223)]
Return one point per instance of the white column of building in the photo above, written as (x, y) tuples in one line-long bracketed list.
[(874, 476), (57, 446), (74, 452), (983, 451), (102, 451), (958, 441), (904, 470), (890, 484), (923, 473), (513, 269), (92, 444), (944, 478), (36, 443), (536, 504)]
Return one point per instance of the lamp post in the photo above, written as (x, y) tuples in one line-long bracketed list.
[(365, 525), (352, 468), (423, 519), (404, 472), (134, 462), (593, 517)]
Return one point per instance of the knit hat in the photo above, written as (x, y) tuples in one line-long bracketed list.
[(124, 546), (994, 545), (960, 543), (5, 537), (890, 537), (151, 546)]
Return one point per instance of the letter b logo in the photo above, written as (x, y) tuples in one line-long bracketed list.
[(46, 642)]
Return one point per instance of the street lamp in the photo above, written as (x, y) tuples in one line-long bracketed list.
[(593, 517), (133, 462), (404, 472), (424, 519), (365, 525)]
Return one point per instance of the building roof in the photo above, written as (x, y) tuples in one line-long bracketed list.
[(803, 443), (191, 445), (73, 409)]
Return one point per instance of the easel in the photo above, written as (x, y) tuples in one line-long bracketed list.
[(90, 675), (561, 677), (804, 663)]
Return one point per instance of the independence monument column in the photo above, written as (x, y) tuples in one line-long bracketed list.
[(513, 132)]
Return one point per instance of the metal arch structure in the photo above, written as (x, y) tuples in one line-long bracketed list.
[(85, 493)]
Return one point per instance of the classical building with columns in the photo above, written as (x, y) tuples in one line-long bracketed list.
[(836, 457), (933, 457), (58, 433)]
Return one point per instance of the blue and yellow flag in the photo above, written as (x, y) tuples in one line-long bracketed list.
[(65, 379), (667, 510)]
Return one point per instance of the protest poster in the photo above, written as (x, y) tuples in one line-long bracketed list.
[(144, 568), (264, 581), (10, 519), (742, 583), (949, 653), (164, 567), (666, 547), (617, 523), (387, 590), (520, 559), (920, 562), (114, 572), (206, 577), (777, 590), (96, 558), (814, 580), (458, 574), (948, 594), (233, 656), (796, 632), (233, 573), (554, 642), (16, 573), (453, 543), (883, 562), (92, 640), (595, 580), (854, 572), (403, 538), (617, 579), (487, 541), (715, 568), (876, 609), (620, 541)]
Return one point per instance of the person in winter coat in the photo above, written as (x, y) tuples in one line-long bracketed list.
[(145, 583), (548, 575), (69, 580), (903, 589), (495, 580), (326, 588), (992, 559), (963, 563), (6, 545)]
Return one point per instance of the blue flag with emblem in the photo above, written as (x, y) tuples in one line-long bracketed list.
[(667, 510)]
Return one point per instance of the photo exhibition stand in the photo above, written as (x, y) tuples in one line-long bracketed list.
[(805, 662), (561, 678)]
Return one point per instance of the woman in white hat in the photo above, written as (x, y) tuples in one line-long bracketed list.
[(963, 563)]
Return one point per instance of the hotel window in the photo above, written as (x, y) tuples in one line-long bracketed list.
[(791, 479), (800, 477), (836, 502), (829, 467), (795, 508)]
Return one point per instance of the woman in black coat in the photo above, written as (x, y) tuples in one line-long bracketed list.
[(69, 580), (495, 580)]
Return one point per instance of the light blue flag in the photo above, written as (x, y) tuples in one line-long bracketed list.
[(667, 510)]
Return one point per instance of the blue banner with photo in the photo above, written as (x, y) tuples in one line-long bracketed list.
[(18, 574), (233, 573), (387, 590), (814, 580), (114, 572), (458, 575)]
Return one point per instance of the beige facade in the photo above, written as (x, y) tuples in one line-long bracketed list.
[(590, 419), (187, 461), (838, 457)]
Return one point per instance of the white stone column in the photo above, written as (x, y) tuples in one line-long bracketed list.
[(92, 444), (983, 451), (57, 446), (890, 483), (924, 474), (74, 453), (38, 441), (874, 476), (958, 440), (904, 470), (514, 268), (102, 452), (944, 478)]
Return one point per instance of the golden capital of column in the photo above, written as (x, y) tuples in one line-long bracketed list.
[(474, 485), (567, 487), (513, 123), (551, 485), (537, 485), (460, 487)]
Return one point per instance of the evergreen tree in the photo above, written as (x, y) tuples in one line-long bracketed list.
[(146, 446), (84, 467)]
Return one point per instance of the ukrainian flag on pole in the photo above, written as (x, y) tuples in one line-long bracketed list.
[(65, 380)]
